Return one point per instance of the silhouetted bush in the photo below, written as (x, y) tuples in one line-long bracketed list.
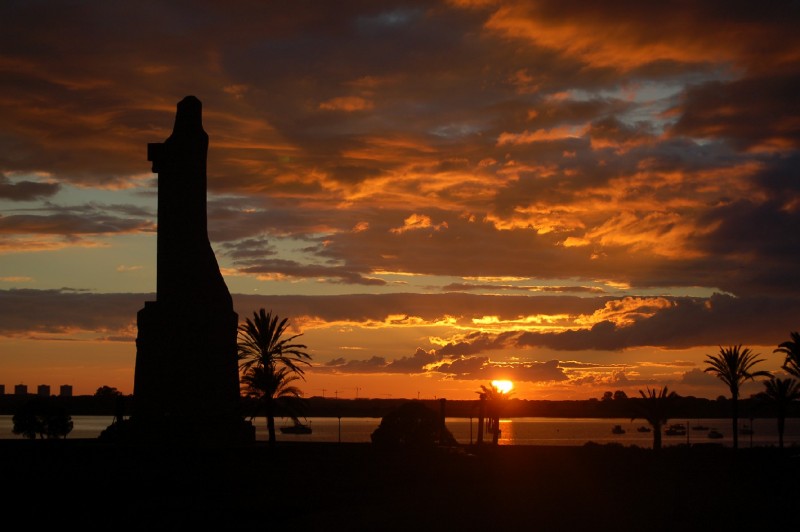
[(412, 426), (44, 417)]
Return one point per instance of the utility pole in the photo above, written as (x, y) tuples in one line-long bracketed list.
[(357, 389), (323, 393)]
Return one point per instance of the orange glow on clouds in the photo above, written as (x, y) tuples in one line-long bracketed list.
[(594, 40), (347, 103), (468, 210)]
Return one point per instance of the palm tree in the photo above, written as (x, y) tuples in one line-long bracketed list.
[(734, 366), (493, 398), (791, 349), (272, 388), (270, 363), (781, 392), (260, 344), (654, 407)]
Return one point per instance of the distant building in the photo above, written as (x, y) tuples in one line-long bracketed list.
[(65, 390), (43, 390), (20, 389)]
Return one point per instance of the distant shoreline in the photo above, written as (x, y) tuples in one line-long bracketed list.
[(684, 407)]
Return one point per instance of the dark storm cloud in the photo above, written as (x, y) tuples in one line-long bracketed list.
[(468, 287), (573, 364), (26, 190), (686, 322), (429, 307), (720, 320), (755, 111), (248, 248), (294, 269), (476, 342), (89, 218), (464, 366), (28, 312), (371, 365), (409, 364), (413, 364), (482, 368), (753, 236)]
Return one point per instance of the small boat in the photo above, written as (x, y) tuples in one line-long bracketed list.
[(618, 429), (643, 429), (296, 428), (714, 434), (676, 430)]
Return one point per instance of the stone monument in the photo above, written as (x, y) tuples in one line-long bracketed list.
[(186, 383)]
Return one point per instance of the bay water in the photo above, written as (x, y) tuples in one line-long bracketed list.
[(514, 431)]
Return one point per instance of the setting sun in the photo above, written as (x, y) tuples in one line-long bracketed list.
[(503, 386)]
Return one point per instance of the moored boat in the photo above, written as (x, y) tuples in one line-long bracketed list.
[(296, 428), (677, 429)]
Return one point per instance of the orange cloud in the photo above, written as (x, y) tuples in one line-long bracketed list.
[(607, 38), (627, 311), (542, 135), (347, 103), (416, 222)]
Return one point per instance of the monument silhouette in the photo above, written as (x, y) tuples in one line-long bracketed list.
[(186, 382)]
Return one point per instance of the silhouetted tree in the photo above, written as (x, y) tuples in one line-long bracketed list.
[(107, 391), (655, 408), (272, 389), (261, 344), (734, 366), (781, 393), (620, 395), (270, 363), (494, 409), (791, 349), (43, 417)]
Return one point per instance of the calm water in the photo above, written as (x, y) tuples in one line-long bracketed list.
[(517, 431)]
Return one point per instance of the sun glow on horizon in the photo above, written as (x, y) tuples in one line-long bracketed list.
[(503, 386)]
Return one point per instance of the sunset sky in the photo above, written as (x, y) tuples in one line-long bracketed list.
[(576, 196)]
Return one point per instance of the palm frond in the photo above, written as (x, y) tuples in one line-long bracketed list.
[(791, 349), (734, 365)]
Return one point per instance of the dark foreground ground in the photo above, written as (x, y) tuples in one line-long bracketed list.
[(329, 486)]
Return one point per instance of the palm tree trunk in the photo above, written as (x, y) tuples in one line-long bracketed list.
[(481, 413), (735, 418), (270, 423), (781, 427), (656, 436)]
